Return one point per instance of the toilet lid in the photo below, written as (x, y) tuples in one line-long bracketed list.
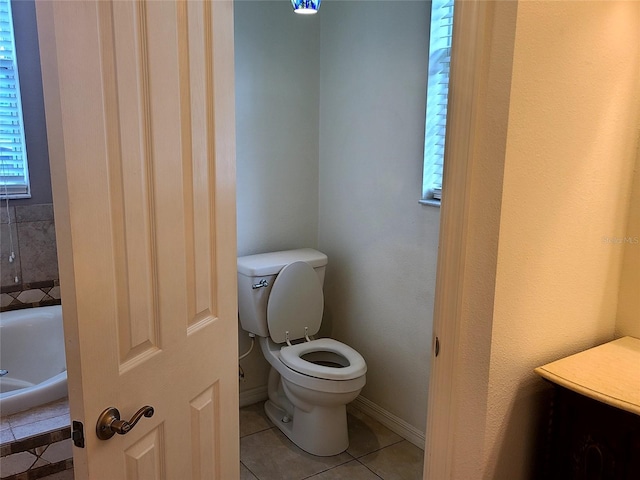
[(292, 357), (295, 302)]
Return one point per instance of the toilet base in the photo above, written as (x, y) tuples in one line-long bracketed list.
[(321, 431)]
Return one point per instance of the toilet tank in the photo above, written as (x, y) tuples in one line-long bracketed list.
[(260, 271)]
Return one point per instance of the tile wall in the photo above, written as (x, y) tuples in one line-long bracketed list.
[(31, 279)]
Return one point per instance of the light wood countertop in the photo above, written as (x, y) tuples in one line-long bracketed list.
[(609, 373)]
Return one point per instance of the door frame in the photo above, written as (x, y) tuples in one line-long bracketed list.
[(469, 224)]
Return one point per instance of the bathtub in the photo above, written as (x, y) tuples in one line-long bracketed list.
[(32, 352)]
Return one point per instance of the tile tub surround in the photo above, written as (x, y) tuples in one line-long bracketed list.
[(41, 419), (64, 475), (38, 462), (30, 295), (31, 230), (36, 443)]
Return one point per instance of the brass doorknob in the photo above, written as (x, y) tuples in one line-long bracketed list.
[(109, 422)]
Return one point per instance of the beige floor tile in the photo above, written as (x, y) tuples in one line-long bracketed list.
[(367, 435), (5, 299), (400, 461), (16, 463), (59, 451), (353, 470), (40, 463), (39, 450), (253, 419), (245, 473), (270, 455), (31, 296)]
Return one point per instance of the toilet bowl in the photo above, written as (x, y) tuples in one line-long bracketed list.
[(311, 380), (312, 412)]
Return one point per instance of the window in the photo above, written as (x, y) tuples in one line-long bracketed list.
[(14, 174), (437, 94)]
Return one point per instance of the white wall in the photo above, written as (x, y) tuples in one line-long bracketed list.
[(569, 152), (277, 92), (381, 243), (277, 95)]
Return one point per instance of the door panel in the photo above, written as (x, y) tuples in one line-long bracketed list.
[(139, 100), (205, 412), (144, 459)]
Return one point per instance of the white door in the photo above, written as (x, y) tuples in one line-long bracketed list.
[(140, 117)]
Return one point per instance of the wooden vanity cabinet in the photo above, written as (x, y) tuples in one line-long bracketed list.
[(595, 421), (591, 440)]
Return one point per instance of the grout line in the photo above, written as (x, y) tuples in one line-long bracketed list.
[(382, 448), (260, 431), (245, 466), (340, 465), (257, 431), (367, 467), (34, 461)]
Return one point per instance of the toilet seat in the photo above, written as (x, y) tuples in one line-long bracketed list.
[(292, 355)]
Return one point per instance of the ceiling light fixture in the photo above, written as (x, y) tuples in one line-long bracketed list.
[(306, 7)]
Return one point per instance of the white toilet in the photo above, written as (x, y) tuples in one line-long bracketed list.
[(280, 300)]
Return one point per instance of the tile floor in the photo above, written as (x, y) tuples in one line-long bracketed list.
[(374, 453)]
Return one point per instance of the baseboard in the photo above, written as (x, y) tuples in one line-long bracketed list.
[(253, 395), (389, 420)]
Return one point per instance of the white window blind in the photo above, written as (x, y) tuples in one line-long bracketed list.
[(14, 174), (437, 95)]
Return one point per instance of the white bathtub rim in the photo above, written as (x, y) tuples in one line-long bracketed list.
[(49, 387), (52, 389)]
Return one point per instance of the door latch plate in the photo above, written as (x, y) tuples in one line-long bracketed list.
[(77, 434)]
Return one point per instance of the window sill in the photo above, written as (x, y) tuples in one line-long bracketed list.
[(430, 202), (14, 196)]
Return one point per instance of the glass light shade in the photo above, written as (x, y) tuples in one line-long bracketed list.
[(305, 6)]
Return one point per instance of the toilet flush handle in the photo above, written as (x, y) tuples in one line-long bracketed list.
[(262, 283)]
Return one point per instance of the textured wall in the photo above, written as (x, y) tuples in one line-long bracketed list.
[(382, 245), (277, 95), (570, 152), (628, 321)]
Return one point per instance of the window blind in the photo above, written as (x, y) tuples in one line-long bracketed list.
[(14, 174), (441, 33)]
